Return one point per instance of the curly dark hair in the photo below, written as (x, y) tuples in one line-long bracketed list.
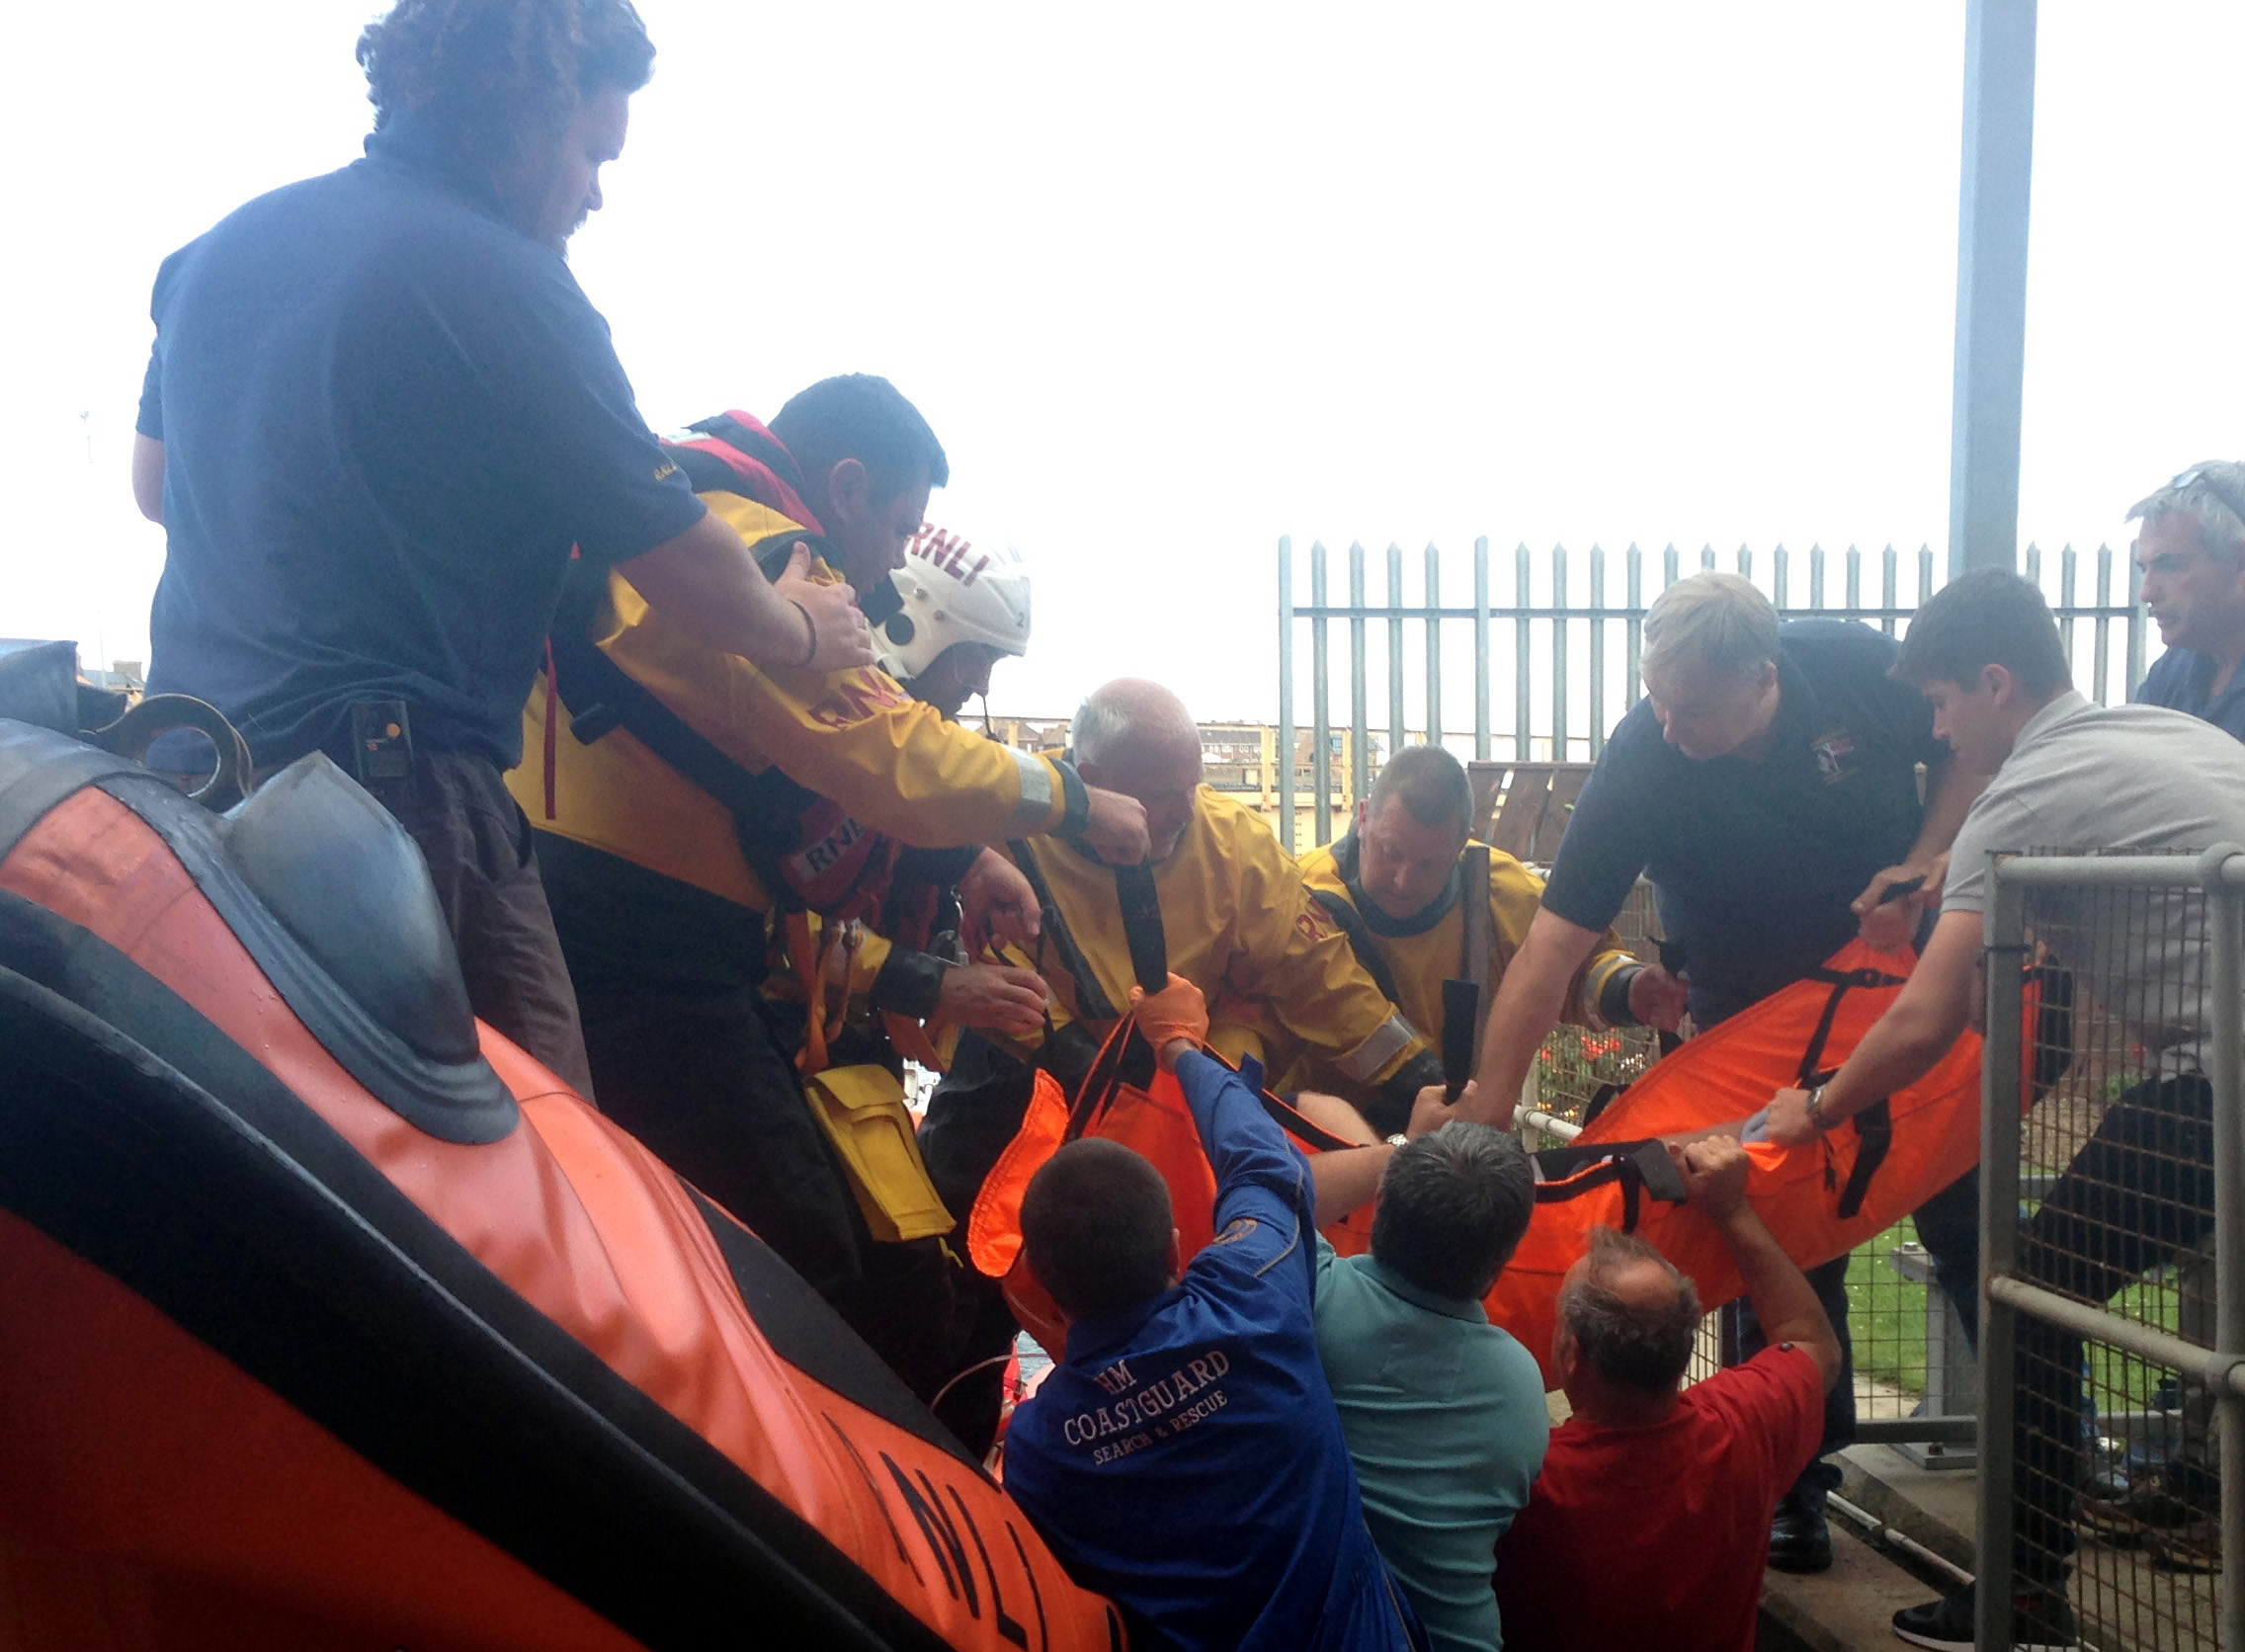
[(486, 72)]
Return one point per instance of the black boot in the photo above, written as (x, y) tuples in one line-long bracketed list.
[(1799, 1540)]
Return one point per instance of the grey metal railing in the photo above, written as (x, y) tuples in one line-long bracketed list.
[(1541, 706), (2070, 907)]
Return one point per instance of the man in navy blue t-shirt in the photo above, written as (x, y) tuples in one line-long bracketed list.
[(2191, 553), (1768, 785), (379, 416)]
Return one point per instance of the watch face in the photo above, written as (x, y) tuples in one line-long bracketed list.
[(1398, 1141)]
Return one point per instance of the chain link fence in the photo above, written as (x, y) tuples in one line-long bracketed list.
[(2116, 1314)]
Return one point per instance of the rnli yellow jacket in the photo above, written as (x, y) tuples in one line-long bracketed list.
[(1423, 951), (895, 765), (1240, 925)]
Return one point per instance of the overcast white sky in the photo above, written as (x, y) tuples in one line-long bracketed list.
[(1173, 280)]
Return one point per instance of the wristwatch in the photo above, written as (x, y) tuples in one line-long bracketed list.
[(1816, 1111), (1397, 1140)]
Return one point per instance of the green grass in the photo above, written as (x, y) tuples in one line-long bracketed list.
[(1887, 1314)]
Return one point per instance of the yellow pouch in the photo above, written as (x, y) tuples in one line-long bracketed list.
[(863, 1111)]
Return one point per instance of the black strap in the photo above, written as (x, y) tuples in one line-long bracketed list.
[(1841, 981), (1361, 941), (1640, 1167), (1875, 1125), (1142, 932), (1092, 1002), (602, 697), (1874, 1135)]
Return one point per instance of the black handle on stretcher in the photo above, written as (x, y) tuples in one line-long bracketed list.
[(1896, 892), (1142, 926), (1460, 1021)]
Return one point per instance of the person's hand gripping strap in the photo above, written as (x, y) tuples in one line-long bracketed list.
[(1177, 1013)]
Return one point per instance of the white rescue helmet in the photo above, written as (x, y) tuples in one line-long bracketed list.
[(953, 591)]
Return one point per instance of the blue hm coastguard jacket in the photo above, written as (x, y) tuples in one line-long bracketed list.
[(1185, 1458)]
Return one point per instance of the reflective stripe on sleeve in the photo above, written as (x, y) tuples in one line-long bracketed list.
[(1037, 793), (1376, 1053)]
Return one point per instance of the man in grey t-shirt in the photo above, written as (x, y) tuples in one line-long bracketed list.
[(2073, 775)]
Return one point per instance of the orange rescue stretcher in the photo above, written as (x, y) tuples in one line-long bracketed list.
[(330, 1320), (1820, 1200)]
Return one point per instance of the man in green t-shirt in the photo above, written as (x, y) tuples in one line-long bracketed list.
[(1443, 1411)]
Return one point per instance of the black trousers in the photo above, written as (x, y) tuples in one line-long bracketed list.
[(2138, 1195), (690, 1057), (477, 842)]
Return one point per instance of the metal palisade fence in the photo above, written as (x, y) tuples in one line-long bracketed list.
[(1555, 665)]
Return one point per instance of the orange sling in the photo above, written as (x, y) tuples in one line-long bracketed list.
[(1821, 1199)]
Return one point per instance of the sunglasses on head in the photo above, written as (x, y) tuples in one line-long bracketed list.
[(2197, 473)]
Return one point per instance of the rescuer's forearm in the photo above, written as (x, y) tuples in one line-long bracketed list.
[(1527, 1005)]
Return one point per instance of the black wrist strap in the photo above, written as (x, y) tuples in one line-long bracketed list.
[(1077, 801)]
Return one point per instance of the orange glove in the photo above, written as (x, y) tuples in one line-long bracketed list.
[(1178, 1011)]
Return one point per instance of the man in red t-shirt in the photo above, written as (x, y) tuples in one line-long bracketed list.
[(1650, 1523)]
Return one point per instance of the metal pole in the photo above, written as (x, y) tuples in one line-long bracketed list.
[(2005, 932), (1434, 647), (2070, 561), (2226, 1072), (1360, 732), (1481, 648), (1597, 649), (1524, 634), (1636, 631), (1395, 719), (1991, 284), (1559, 654), (2103, 653), (1286, 694), (1321, 709), (2137, 619)]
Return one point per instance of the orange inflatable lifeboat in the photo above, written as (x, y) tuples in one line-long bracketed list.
[(1820, 1200), (330, 1320)]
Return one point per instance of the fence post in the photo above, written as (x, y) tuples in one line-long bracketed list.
[(1359, 727), (1434, 645), (1889, 587), (1481, 648), (1523, 640), (2135, 627), (1285, 774), (1634, 632), (1395, 719), (2068, 562), (2103, 626), (1321, 709), (2227, 1073), (1560, 653), (1598, 649), (1779, 563), (2004, 930)]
